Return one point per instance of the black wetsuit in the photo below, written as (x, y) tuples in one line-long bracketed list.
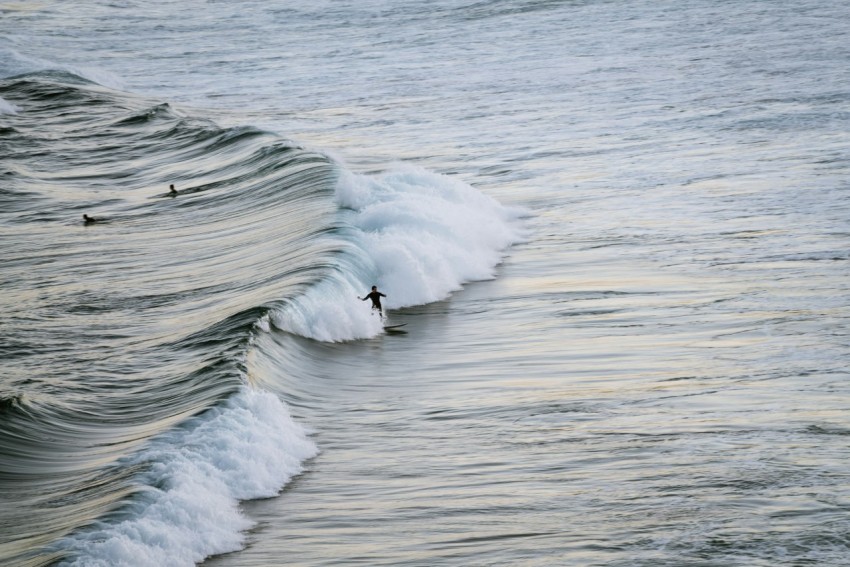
[(375, 296)]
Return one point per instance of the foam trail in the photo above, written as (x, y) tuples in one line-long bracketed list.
[(417, 235), (246, 448)]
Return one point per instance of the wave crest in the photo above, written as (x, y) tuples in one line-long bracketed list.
[(416, 234), (248, 447)]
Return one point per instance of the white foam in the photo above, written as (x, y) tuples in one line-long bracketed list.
[(8, 107), (247, 448), (417, 235)]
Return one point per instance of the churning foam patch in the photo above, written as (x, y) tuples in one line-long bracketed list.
[(415, 234), (249, 447)]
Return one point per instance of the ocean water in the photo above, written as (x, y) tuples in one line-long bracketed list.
[(617, 235)]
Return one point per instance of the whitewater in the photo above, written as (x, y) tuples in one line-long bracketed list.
[(616, 235)]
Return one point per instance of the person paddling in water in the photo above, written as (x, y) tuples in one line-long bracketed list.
[(375, 296)]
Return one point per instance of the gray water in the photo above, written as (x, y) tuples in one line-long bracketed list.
[(655, 375)]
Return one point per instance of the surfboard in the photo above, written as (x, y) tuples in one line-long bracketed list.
[(391, 327)]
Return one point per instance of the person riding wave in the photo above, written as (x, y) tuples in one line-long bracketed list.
[(375, 296)]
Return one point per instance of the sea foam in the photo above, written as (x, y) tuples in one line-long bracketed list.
[(246, 448), (7, 107), (417, 235)]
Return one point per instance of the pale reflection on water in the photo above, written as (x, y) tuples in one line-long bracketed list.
[(570, 412)]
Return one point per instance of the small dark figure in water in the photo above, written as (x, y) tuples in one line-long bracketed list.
[(89, 220), (375, 296), (173, 191)]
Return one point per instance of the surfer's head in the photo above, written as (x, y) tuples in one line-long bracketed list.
[(374, 288)]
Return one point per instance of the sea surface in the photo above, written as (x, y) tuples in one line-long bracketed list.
[(617, 234)]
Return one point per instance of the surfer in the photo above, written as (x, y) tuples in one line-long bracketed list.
[(375, 296), (89, 220), (173, 191)]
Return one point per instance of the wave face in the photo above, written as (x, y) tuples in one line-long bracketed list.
[(133, 422)]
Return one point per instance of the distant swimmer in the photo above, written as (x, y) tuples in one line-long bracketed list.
[(173, 191), (89, 220), (375, 296)]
